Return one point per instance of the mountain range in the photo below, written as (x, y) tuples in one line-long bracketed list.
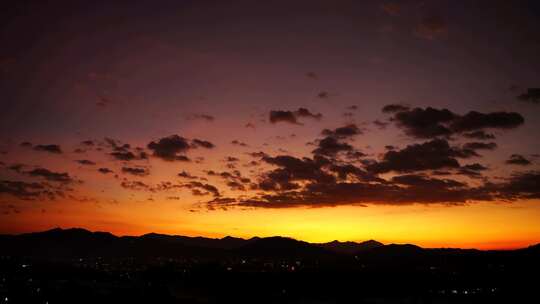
[(77, 242)]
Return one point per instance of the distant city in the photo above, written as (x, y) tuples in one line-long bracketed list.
[(79, 266)]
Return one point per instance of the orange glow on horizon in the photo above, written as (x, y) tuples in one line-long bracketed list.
[(480, 225)]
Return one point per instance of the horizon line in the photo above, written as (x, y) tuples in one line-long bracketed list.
[(273, 236)]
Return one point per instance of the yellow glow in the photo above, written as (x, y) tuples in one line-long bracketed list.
[(480, 225)]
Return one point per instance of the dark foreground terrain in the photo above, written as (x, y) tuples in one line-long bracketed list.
[(78, 266)]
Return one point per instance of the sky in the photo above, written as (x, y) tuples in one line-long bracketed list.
[(400, 121)]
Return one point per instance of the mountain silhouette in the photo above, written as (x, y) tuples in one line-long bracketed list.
[(281, 247), (350, 247), (78, 265), (77, 242)]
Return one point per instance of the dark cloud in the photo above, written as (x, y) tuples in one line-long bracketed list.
[(114, 143), (199, 189), (424, 123), (393, 108), (136, 171), (412, 190), (141, 186), (429, 190), (420, 180), (234, 179), (323, 95), (252, 164), (432, 155), (349, 172), (352, 108), (431, 123), (472, 170), (292, 170), (85, 162), (292, 117), (524, 185), (49, 148), (239, 143), (347, 131), (259, 154), (517, 159), (135, 185), (283, 116), (532, 95), (88, 143), (303, 112), (236, 186), (185, 174), (480, 135), (105, 170), (326, 180), (173, 148), (25, 190), (202, 143), (17, 168), (220, 201), (334, 142), (321, 181), (124, 155), (380, 124), (474, 167), (51, 176), (497, 120), (331, 146), (26, 144), (474, 146), (124, 152)]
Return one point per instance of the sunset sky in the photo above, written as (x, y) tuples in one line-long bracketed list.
[(401, 121)]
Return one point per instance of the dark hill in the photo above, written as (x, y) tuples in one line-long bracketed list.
[(281, 247), (76, 242), (350, 247)]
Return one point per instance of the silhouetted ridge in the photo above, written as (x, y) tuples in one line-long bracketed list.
[(405, 248), (75, 233), (281, 247), (227, 242), (77, 242), (533, 249), (350, 247)]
